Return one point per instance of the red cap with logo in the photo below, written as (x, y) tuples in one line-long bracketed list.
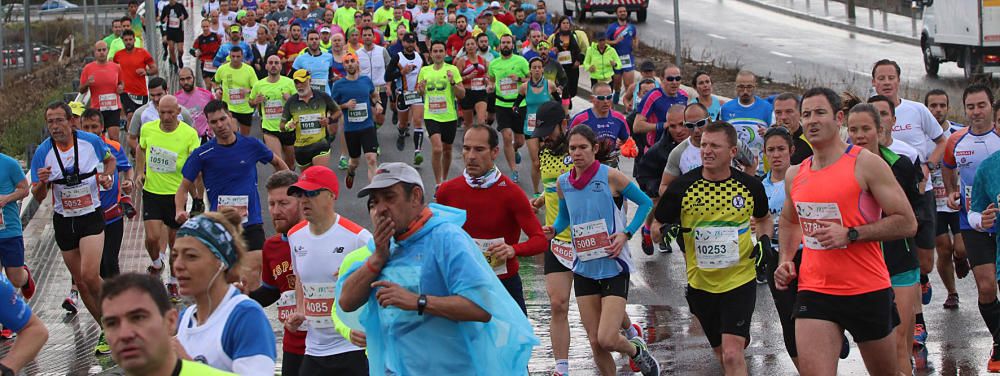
[(315, 178)]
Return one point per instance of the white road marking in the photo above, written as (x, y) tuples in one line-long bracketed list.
[(780, 54), (716, 36), (859, 72), (669, 21)]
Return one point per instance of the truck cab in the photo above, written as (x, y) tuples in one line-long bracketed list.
[(964, 31), (579, 8)]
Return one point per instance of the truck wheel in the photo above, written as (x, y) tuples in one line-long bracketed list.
[(972, 67), (931, 63), (640, 15)]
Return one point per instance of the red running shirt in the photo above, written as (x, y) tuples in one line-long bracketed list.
[(139, 58), (104, 90), (277, 272), (832, 194)]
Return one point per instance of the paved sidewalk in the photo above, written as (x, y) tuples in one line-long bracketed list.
[(872, 22)]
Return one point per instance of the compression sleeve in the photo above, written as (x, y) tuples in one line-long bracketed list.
[(634, 194), (562, 220)]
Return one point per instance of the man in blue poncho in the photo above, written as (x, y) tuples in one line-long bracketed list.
[(426, 286)]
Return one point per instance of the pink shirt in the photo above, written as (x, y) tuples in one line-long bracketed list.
[(195, 103)]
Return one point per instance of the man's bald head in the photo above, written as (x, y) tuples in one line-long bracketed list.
[(168, 109), (101, 51)]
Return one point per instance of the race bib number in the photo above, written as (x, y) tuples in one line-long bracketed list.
[(286, 306), (940, 193), (318, 301), (499, 266), (564, 57), (309, 124), (563, 252), (411, 98), (591, 240), (237, 96), (626, 61), (173, 22), (716, 247), (318, 84), (273, 109), (508, 87), (437, 104), (77, 200), (162, 160), (207, 66), (812, 215), (108, 102), (968, 198), (240, 203), (358, 114), (478, 83), (532, 120)]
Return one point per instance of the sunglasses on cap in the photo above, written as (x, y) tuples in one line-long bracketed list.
[(308, 194), (604, 97), (697, 124), (673, 78)]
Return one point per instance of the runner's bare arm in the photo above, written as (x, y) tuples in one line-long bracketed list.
[(140, 166), (939, 145), (789, 230), (279, 165), (20, 192), (29, 342), (898, 220), (180, 201), (764, 226)]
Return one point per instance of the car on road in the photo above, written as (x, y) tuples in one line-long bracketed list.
[(55, 6), (963, 31), (579, 8)]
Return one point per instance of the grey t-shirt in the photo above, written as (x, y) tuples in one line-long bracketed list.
[(147, 113)]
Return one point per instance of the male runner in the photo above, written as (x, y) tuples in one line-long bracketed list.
[(951, 261), (403, 70), (173, 15), (75, 165), (136, 63), (964, 155), (373, 60), (319, 245), (497, 209), (624, 37), (237, 79), (206, 45), (230, 181), (16, 315), (164, 146), (104, 82), (313, 115), (270, 95), (316, 61), (441, 85), (149, 112), (13, 188), (843, 281), (786, 114), (609, 125), (504, 77), (749, 114), (714, 205), (290, 50), (357, 98), (652, 108)]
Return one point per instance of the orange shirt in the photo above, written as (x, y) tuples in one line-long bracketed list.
[(139, 58), (833, 194), (104, 89)]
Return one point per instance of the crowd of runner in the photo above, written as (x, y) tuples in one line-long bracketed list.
[(839, 204)]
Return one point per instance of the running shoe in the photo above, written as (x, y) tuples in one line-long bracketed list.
[(127, 207), (845, 347), (103, 348), (951, 302), (70, 303), (400, 142), (517, 157), (515, 177), (343, 163), (554, 373), (665, 247), (154, 270), (920, 358), (761, 273), (646, 362), (349, 180), (638, 330), (418, 158), (919, 335), (7, 334), (28, 290), (175, 297), (962, 267), (647, 243), (925, 292), (993, 364)]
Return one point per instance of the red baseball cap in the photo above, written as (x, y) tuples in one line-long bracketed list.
[(315, 178)]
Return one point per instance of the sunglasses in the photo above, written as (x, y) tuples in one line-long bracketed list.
[(308, 194), (672, 78), (697, 124), (604, 97)]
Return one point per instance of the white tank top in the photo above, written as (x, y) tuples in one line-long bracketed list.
[(411, 78), (372, 64)]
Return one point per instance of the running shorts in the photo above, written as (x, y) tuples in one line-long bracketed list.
[(613, 286), (869, 316), (926, 214), (159, 208), (947, 222), (244, 119), (472, 97), (69, 230), (12, 251), (286, 138), (729, 312), (507, 118), (446, 129), (362, 141), (305, 154), (981, 247)]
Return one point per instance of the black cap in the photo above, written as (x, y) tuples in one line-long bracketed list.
[(647, 66), (409, 38), (549, 116)]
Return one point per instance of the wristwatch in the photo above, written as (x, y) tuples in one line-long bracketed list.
[(421, 304), (852, 234), (628, 235)]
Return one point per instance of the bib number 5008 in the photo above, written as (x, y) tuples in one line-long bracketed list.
[(586, 243)]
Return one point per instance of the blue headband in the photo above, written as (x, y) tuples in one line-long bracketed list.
[(214, 235)]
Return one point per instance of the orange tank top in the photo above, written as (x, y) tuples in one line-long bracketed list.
[(832, 194)]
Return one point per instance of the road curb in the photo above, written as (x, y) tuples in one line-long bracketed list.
[(837, 24)]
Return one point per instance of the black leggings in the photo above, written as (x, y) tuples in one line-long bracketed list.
[(572, 81), (113, 233)]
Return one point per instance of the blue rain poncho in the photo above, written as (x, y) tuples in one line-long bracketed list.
[(440, 259)]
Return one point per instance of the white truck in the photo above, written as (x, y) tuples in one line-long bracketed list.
[(964, 31)]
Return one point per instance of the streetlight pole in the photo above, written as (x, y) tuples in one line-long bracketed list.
[(677, 32), (29, 52)]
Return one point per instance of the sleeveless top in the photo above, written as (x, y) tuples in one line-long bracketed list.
[(410, 79), (478, 80), (591, 204), (832, 194), (372, 64), (534, 101)]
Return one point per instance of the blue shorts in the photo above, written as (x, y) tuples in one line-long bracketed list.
[(631, 66), (12, 252), (906, 279)]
